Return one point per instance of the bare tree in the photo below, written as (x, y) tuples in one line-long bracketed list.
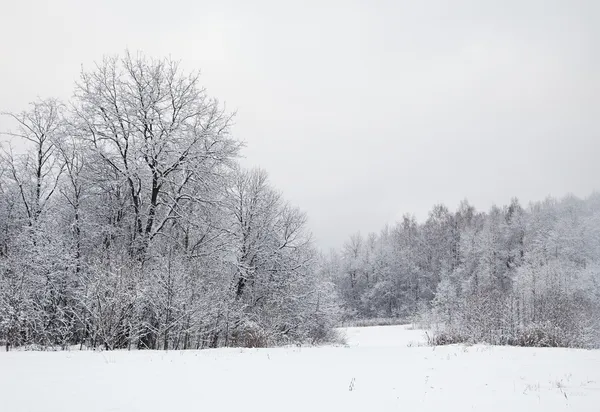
[(37, 173), (158, 130)]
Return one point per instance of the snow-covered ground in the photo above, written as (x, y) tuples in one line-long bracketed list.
[(381, 369)]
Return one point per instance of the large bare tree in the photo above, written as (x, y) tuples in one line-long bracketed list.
[(159, 131)]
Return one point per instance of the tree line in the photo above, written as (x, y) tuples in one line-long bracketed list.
[(127, 222), (519, 276)]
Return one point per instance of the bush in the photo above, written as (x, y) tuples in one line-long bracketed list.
[(441, 338), (326, 335), (249, 335), (535, 335), (545, 336)]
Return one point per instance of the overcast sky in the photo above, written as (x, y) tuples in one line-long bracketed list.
[(361, 111)]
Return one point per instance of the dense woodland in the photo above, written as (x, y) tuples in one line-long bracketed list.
[(127, 222), (513, 275)]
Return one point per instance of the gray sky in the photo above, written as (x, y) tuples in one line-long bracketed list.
[(359, 110)]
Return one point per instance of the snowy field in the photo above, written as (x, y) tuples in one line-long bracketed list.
[(382, 368)]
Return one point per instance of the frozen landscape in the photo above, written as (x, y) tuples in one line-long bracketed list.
[(385, 368), (249, 206)]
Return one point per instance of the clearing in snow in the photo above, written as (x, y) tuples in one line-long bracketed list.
[(383, 368)]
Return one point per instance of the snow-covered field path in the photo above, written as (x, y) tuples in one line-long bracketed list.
[(381, 369)]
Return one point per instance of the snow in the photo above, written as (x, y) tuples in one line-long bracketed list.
[(383, 368), (383, 336)]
